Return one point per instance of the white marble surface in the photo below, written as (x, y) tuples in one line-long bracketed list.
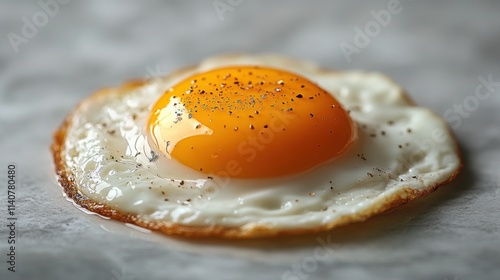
[(436, 51)]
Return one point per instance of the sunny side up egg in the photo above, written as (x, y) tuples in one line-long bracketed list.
[(252, 145)]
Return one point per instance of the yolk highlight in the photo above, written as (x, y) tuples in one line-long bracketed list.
[(249, 122)]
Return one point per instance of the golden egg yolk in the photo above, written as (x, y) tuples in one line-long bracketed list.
[(249, 122)]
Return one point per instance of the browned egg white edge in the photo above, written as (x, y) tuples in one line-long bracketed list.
[(65, 179)]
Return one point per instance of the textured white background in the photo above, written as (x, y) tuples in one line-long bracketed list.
[(435, 50)]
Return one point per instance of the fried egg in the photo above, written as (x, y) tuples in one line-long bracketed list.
[(245, 146)]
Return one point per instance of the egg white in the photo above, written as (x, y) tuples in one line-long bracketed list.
[(399, 146)]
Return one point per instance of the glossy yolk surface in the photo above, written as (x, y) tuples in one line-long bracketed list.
[(249, 122)]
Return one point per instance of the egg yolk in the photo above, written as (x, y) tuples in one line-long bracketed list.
[(249, 122)]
